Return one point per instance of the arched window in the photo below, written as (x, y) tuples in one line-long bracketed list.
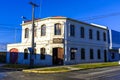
[(57, 29), (98, 35), (82, 53), (42, 56), (43, 30), (90, 34), (82, 32), (25, 53), (35, 31), (104, 36), (98, 54), (26, 32)]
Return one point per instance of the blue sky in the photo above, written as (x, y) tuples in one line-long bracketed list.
[(12, 10)]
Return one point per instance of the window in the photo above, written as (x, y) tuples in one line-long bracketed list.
[(57, 29), (35, 53), (72, 53), (82, 53), (43, 30), (26, 33), (113, 55), (105, 55), (98, 54), (98, 35), (104, 36), (82, 32), (42, 56), (35, 31), (25, 53), (90, 34), (72, 30), (91, 54)]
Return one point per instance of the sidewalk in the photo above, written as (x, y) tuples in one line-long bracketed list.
[(51, 69)]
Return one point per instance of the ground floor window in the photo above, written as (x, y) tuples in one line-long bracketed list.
[(72, 53), (35, 54), (91, 54), (82, 53), (98, 54), (42, 55), (113, 55), (25, 53)]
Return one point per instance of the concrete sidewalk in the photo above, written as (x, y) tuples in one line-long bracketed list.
[(42, 70)]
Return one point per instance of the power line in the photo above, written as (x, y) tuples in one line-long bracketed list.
[(100, 16)]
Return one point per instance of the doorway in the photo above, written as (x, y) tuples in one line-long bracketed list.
[(58, 56), (13, 55)]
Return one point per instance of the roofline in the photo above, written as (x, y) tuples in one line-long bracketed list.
[(91, 24)]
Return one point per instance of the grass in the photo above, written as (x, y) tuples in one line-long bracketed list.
[(95, 65), (55, 69), (65, 68), (16, 66)]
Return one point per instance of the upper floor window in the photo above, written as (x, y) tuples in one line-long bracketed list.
[(91, 54), (98, 35), (43, 30), (82, 53), (57, 29), (42, 56), (25, 53), (90, 34), (82, 32), (26, 33), (104, 36), (72, 30)]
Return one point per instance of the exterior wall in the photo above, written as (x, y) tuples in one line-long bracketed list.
[(86, 43), (69, 42), (41, 41)]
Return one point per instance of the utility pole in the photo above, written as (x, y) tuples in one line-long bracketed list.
[(32, 42)]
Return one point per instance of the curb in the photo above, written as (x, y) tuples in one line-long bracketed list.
[(44, 72)]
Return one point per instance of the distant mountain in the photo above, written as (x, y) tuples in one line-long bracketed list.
[(3, 47)]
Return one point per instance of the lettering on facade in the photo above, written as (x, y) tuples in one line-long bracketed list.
[(57, 40)]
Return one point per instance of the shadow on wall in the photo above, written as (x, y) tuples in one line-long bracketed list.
[(42, 60)]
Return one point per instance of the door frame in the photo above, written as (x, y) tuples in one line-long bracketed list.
[(57, 56)]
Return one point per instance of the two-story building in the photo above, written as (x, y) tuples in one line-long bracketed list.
[(60, 40)]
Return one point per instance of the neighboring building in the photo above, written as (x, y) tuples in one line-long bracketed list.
[(114, 45), (61, 40), (3, 52)]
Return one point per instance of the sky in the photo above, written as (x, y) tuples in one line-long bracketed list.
[(102, 12)]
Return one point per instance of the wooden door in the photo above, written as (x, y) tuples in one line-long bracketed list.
[(13, 55), (58, 56)]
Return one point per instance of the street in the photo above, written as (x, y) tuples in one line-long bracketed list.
[(109, 73)]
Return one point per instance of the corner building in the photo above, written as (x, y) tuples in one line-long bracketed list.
[(60, 40)]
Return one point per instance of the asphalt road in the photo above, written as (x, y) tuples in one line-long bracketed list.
[(109, 73)]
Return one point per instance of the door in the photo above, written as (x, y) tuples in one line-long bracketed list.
[(13, 55), (58, 56)]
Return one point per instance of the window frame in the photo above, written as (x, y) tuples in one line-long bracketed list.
[(57, 29), (82, 53), (42, 53), (43, 30)]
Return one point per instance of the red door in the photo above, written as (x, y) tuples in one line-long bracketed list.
[(13, 55)]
